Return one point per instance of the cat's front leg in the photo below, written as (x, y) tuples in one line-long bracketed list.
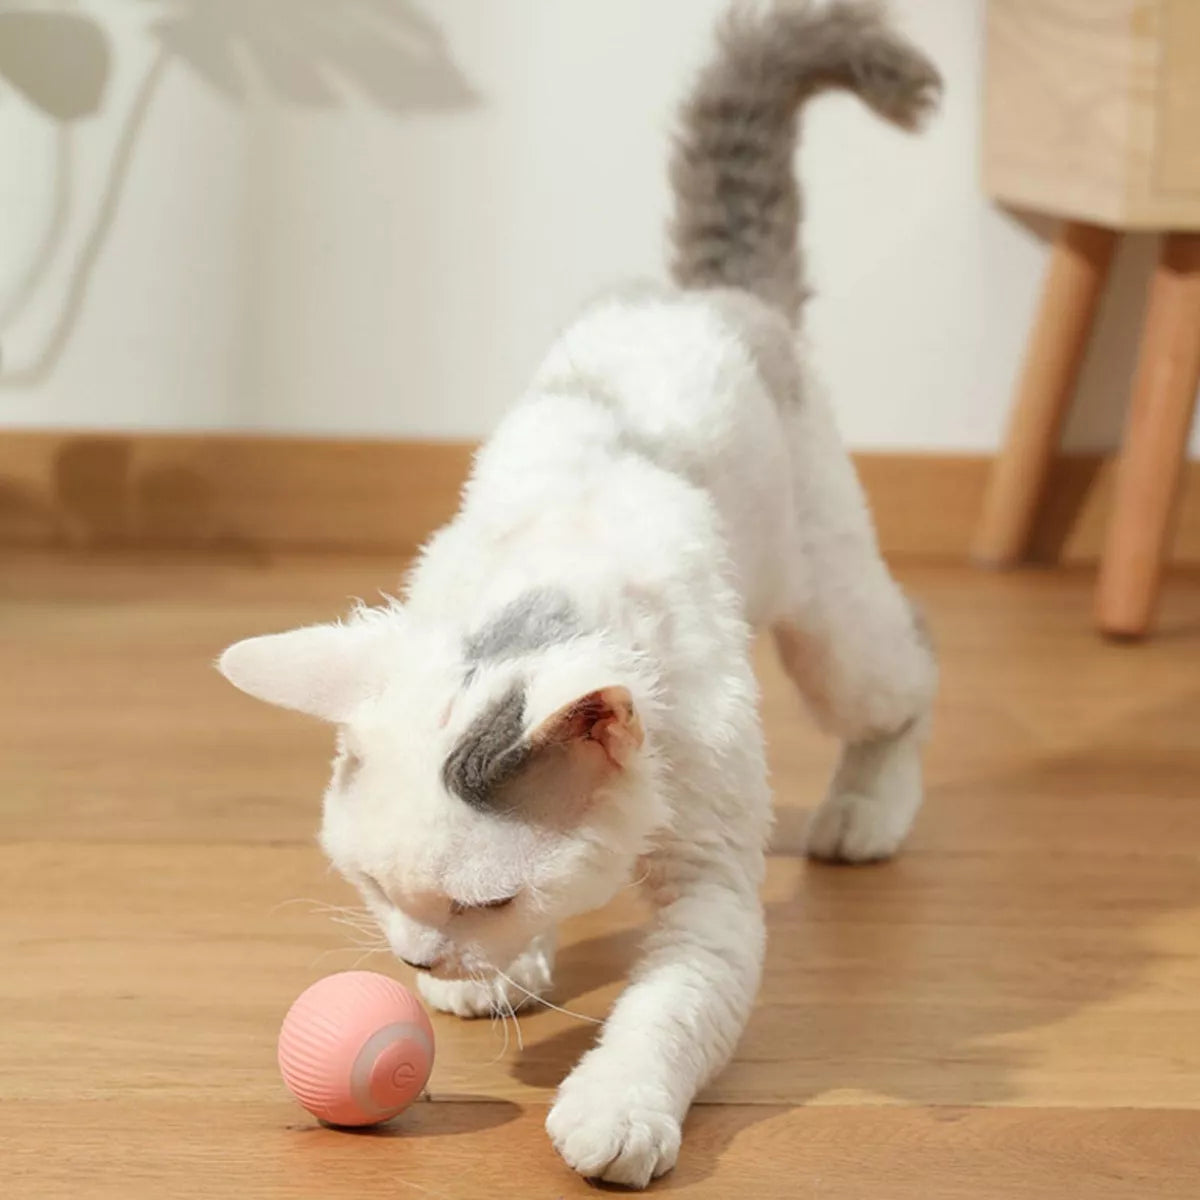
[(529, 977), (618, 1115)]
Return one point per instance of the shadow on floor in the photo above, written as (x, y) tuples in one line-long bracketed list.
[(947, 959)]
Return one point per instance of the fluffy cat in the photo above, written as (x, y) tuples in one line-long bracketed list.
[(562, 701)]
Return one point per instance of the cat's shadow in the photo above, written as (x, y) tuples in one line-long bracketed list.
[(937, 953), (582, 967)]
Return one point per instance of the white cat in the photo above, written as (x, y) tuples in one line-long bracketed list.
[(563, 701)]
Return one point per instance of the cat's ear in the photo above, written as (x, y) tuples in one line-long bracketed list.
[(602, 721), (554, 769), (322, 670)]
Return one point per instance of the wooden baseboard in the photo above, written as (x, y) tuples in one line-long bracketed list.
[(926, 507), (272, 494), (228, 492)]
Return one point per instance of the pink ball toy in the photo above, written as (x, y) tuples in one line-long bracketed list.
[(356, 1048)]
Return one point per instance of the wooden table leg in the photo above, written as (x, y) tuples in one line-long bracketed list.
[(1151, 466), (1079, 263)]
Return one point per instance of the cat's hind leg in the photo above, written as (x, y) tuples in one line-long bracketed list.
[(856, 649)]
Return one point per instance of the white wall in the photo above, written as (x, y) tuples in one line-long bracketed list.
[(330, 223)]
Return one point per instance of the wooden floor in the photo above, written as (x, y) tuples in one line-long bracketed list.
[(1012, 1009)]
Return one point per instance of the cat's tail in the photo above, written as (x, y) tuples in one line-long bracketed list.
[(737, 204)]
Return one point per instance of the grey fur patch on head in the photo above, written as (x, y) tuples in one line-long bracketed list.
[(737, 204), (539, 617), (491, 752)]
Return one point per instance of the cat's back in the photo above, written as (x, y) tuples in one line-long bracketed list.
[(650, 442), (697, 375), (697, 382)]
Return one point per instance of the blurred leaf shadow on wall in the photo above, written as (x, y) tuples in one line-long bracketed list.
[(306, 53), (58, 61)]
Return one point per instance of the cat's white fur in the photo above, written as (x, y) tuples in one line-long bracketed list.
[(681, 506), (673, 475)]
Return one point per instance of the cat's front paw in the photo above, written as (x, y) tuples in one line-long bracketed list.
[(462, 997), (529, 977), (610, 1129), (471, 998)]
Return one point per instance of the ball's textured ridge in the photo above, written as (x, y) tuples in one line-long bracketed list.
[(356, 1048)]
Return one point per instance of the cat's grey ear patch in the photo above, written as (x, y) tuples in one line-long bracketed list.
[(491, 752), (539, 617)]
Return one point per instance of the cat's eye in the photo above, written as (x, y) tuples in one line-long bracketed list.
[(457, 907)]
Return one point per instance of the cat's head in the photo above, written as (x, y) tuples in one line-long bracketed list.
[(476, 800)]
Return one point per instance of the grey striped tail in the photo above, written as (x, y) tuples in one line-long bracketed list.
[(737, 203)]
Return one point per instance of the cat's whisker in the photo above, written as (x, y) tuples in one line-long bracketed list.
[(365, 940), (364, 949), (497, 1011), (516, 1024), (352, 921), (316, 906), (356, 925), (541, 1000), (332, 950), (346, 910), (491, 1001)]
